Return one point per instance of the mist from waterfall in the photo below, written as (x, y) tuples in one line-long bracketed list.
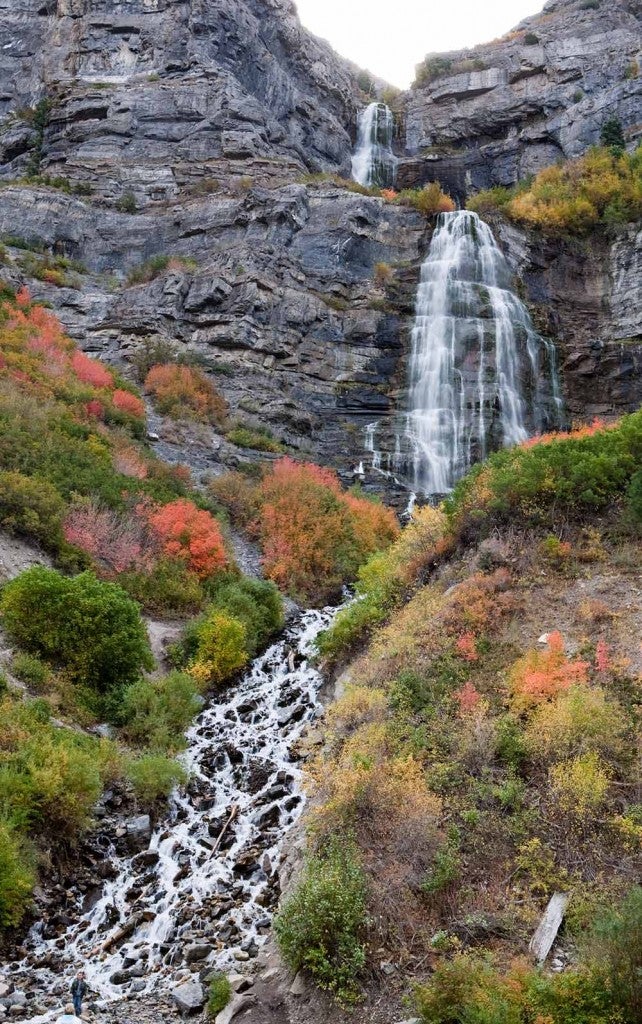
[(480, 375), (373, 162)]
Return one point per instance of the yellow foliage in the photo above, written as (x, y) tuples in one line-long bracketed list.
[(582, 719), (579, 786), (359, 704)]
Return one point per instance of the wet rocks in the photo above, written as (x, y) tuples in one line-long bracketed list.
[(137, 831)]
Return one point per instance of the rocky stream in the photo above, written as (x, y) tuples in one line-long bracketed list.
[(197, 893)]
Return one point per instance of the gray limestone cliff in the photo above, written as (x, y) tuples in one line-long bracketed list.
[(194, 129)]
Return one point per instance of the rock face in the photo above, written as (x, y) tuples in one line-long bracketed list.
[(190, 129), (492, 115), (587, 296), (160, 97)]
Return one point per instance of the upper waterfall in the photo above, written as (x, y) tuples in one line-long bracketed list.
[(373, 162), (480, 375)]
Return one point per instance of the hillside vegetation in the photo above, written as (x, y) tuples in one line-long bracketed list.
[(128, 534), (486, 750), (599, 190)]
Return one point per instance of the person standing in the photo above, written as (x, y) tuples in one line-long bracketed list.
[(78, 989)]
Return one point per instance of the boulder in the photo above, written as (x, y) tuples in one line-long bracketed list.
[(189, 997)]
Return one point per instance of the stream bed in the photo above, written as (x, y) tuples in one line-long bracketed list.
[(202, 894)]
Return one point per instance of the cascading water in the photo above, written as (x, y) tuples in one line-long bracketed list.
[(373, 162), (243, 774), (480, 375)]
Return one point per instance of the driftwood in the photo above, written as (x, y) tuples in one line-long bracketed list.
[(546, 933), (123, 933), (227, 824)]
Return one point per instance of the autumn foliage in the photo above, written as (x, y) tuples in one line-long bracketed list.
[(185, 393), (313, 535), (541, 675), (189, 534)]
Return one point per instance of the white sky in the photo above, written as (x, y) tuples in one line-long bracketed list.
[(390, 38)]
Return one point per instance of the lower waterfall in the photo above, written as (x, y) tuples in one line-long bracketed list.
[(480, 375), (243, 772)]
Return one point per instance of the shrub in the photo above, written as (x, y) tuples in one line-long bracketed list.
[(255, 603), (309, 530), (540, 675), (31, 507), (257, 440), (581, 719), (127, 203), (17, 876), (156, 712), (612, 136), (90, 628), (222, 649), (320, 927), (383, 580), (154, 776), (601, 188), (634, 496), (128, 403), (116, 541), (530, 39), (168, 588), (185, 392), (31, 670), (550, 478), (238, 495), (191, 535), (429, 200), (579, 786), (90, 371), (220, 993), (613, 947)]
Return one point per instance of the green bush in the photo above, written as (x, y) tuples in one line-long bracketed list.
[(31, 507), (634, 496), (156, 712), (17, 875), (320, 926), (154, 776), (257, 440), (31, 670), (220, 993), (170, 588), (256, 603), (613, 948), (48, 775), (550, 480), (221, 650), (91, 629)]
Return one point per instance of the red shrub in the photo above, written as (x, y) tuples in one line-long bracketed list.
[(90, 371), (468, 698), (189, 533), (95, 409), (125, 402), (467, 647)]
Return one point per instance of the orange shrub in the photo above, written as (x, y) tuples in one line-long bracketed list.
[(185, 392), (541, 675), (238, 495), (314, 537), (190, 534)]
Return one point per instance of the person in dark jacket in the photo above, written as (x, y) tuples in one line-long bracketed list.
[(78, 989)]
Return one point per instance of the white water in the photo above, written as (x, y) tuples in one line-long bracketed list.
[(373, 162), (240, 754), (480, 375)]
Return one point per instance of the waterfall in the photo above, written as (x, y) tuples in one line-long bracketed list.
[(212, 866), (373, 162), (480, 375)]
